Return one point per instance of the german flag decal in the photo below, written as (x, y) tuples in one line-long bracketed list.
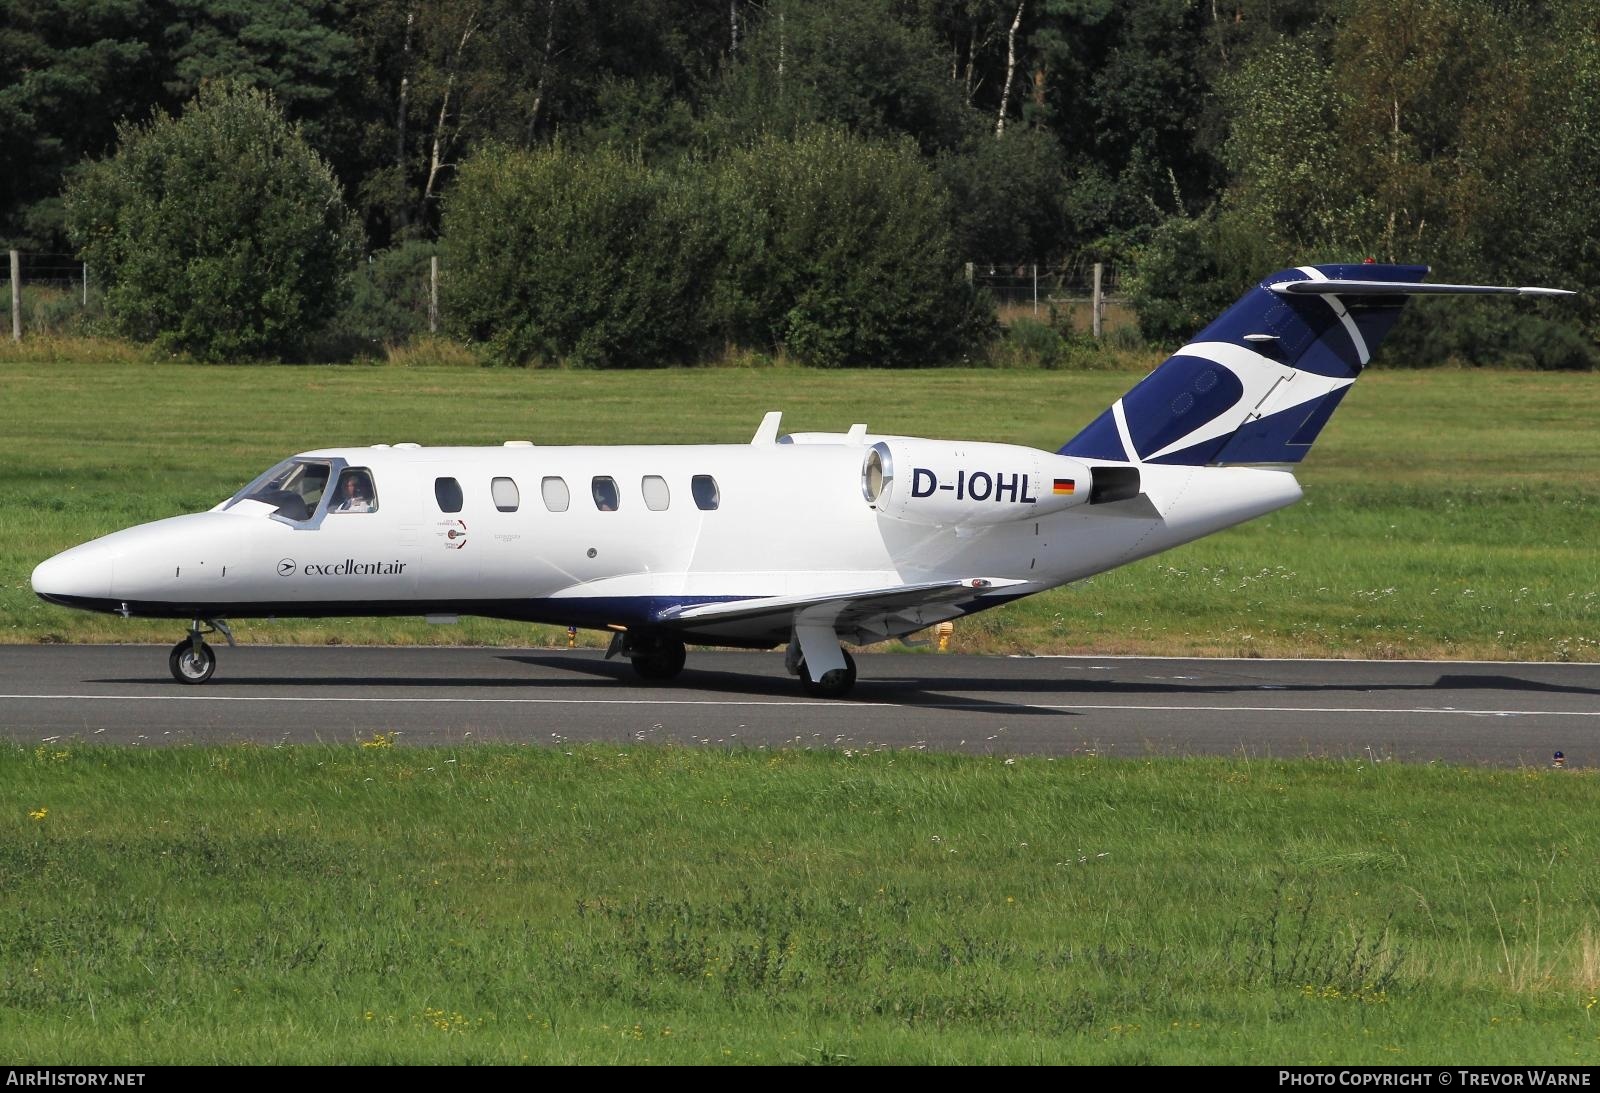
[(1065, 485)]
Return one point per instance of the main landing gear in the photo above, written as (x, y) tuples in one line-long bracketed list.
[(825, 668), (192, 661), (655, 657), (833, 684)]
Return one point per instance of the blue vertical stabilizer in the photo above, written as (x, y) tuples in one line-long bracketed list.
[(1259, 383)]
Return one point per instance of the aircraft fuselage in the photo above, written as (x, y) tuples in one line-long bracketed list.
[(520, 532)]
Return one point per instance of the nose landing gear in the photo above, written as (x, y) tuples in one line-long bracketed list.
[(192, 661)]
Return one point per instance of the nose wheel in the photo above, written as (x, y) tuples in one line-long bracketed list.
[(192, 661)]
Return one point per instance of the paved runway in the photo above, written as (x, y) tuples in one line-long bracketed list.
[(1412, 711)]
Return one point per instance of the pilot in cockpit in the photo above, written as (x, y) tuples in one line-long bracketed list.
[(355, 493)]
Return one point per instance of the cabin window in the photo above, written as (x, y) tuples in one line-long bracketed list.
[(447, 491), (556, 495), (656, 495), (505, 493), (706, 494), (606, 498), (354, 493)]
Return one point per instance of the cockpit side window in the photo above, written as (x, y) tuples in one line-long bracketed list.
[(293, 488), (354, 492)]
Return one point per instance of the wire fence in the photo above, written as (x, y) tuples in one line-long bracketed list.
[(1080, 294), (48, 294), (57, 294), (59, 271)]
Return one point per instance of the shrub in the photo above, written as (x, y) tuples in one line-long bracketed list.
[(587, 256), (389, 298), (1434, 332), (1192, 269), (1037, 342), (839, 250), (829, 248), (218, 233)]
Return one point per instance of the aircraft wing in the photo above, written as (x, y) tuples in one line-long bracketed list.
[(862, 616)]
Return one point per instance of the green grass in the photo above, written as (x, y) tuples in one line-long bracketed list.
[(491, 904), (1448, 513)]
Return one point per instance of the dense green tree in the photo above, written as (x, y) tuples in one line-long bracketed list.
[(1006, 195), (1443, 132), (219, 233), (854, 63), (301, 52), (1455, 132), (68, 70)]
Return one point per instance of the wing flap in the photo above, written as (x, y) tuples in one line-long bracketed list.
[(877, 599)]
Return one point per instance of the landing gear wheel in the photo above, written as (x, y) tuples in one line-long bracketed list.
[(191, 662), (834, 684), (662, 660)]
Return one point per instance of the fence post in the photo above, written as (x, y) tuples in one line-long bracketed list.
[(86, 284), (969, 273), (433, 295), (16, 296), (1097, 305), (1036, 290)]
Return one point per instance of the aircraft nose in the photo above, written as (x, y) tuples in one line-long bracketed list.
[(82, 573)]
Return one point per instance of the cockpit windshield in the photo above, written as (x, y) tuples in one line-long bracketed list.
[(293, 488)]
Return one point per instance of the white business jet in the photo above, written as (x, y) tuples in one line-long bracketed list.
[(809, 539)]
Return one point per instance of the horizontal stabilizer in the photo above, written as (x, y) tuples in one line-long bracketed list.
[(1405, 288)]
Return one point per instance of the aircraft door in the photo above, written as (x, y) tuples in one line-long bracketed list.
[(450, 542)]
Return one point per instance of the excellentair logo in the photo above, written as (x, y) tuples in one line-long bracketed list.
[(352, 568)]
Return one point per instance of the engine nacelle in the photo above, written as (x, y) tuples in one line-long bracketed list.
[(942, 482)]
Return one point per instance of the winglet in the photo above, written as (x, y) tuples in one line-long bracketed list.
[(767, 433)]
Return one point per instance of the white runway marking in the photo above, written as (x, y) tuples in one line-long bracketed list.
[(982, 705)]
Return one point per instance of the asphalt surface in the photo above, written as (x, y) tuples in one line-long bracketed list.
[(1468, 712)]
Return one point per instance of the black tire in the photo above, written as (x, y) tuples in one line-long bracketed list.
[(663, 660), (834, 684), (191, 663)]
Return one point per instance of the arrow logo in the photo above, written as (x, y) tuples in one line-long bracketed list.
[(286, 566)]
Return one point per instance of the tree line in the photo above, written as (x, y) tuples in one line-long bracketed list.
[(814, 175)]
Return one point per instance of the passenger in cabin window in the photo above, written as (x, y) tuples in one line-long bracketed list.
[(605, 495), (355, 493)]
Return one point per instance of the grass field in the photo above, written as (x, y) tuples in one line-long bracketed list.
[(378, 904), (1448, 513)]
